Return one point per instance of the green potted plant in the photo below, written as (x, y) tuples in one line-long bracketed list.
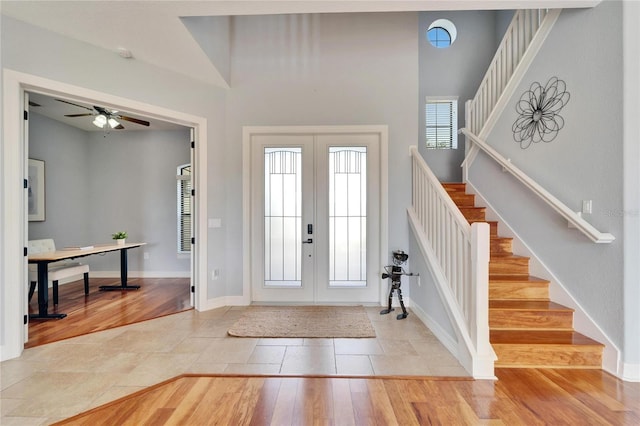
[(119, 236)]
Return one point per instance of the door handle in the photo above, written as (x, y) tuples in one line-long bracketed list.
[(309, 241)]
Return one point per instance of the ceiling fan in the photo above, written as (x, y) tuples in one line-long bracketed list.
[(104, 116)]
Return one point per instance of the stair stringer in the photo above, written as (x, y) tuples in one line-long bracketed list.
[(480, 363), (582, 322)]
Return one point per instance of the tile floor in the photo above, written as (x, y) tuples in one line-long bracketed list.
[(55, 381)]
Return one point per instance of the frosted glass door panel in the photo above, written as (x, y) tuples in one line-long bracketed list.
[(315, 217), (282, 217), (347, 216)]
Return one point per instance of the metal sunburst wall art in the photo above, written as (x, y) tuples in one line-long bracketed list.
[(538, 109)]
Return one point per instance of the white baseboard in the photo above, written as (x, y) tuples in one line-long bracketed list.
[(140, 274), (220, 302), (631, 372), (445, 338)]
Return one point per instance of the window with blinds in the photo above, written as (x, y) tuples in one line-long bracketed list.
[(184, 208), (441, 123)]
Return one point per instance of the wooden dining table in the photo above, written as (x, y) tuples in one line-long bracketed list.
[(44, 259)]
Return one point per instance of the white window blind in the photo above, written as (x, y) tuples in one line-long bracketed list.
[(441, 123), (184, 208)]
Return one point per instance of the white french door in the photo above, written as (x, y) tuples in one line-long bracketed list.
[(315, 217)]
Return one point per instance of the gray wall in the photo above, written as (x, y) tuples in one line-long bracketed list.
[(64, 151), (363, 69), (584, 162), (100, 183), (62, 59), (342, 69), (133, 188), (454, 71)]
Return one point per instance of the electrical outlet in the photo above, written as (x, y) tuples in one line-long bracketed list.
[(587, 206), (146, 255), (215, 274)]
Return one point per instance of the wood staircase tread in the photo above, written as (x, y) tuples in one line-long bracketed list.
[(454, 184), (501, 256), (541, 337), (538, 305), (517, 278)]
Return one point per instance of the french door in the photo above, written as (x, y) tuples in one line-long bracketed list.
[(315, 218)]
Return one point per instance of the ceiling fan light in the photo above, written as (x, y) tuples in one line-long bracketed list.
[(100, 121), (113, 123)]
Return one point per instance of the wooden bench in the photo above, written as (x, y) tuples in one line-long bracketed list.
[(57, 270)]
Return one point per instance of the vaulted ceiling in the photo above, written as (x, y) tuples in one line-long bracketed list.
[(154, 32)]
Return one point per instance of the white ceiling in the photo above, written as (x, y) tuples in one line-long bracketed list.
[(56, 110)]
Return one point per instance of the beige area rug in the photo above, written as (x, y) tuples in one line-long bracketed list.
[(304, 321)]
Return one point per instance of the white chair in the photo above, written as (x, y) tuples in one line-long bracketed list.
[(57, 270)]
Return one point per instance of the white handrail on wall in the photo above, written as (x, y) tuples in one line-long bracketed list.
[(574, 219), (459, 255), (520, 44)]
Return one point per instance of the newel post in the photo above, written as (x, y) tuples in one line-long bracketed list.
[(485, 356)]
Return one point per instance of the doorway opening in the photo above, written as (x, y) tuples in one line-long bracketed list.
[(14, 226)]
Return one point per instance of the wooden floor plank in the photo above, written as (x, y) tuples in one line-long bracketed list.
[(519, 396), (402, 408), (342, 403), (264, 406), (382, 408), (95, 312), (284, 403)]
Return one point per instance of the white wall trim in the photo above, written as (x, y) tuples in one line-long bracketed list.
[(136, 274), (630, 372), (631, 198), (13, 222), (221, 302), (249, 131), (13, 218), (583, 323), (445, 338)]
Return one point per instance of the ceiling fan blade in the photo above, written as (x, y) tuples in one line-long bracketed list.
[(33, 104), (77, 115), (71, 103), (102, 110), (119, 127), (133, 120)]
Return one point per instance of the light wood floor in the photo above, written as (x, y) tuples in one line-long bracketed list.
[(519, 397), (102, 310)]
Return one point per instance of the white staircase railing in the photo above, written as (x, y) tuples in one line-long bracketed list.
[(459, 256), (520, 44), (574, 219)]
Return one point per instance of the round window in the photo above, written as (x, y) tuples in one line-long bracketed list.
[(441, 33)]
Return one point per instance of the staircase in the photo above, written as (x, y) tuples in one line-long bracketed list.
[(526, 328)]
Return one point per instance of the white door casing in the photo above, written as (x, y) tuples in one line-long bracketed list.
[(12, 274)]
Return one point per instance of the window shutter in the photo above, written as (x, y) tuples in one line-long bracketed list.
[(441, 122), (184, 208)]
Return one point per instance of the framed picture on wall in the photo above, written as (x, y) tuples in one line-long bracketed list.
[(35, 190)]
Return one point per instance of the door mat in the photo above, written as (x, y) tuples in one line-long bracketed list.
[(304, 321)]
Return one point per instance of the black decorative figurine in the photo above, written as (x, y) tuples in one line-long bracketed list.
[(395, 272)]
